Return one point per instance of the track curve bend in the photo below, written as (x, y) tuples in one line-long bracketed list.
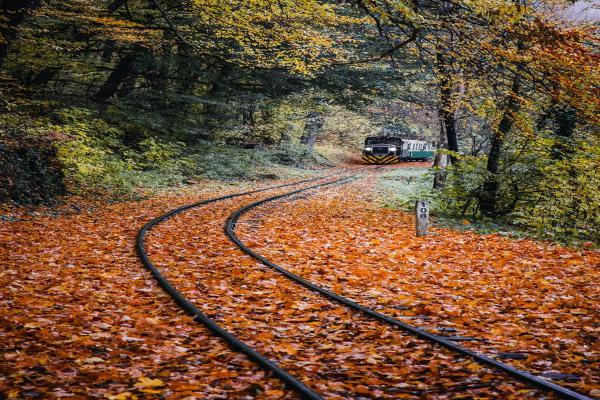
[(524, 376), (238, 345)]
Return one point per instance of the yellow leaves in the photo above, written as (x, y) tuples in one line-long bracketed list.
[(474, 367), (109, 27), (150, 386), (290, 33)]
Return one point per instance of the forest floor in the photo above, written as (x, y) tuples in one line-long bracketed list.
[(81, 318)]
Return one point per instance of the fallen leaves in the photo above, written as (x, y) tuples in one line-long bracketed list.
[(144, 383), (331, 348), (80, 317), (516, 295)]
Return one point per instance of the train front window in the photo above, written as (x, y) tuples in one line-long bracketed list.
[(371, 140)]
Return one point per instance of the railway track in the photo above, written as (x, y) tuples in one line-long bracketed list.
[(237, 344), (521, 375), (201, 317)]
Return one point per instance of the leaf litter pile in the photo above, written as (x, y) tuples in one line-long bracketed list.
[(81, 318)]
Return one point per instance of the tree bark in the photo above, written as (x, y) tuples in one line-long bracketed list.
[(447, 107), (157, 71), (488, 198), (441, 159), (248, 120), (13, 13), (186, 70), (314, 123)]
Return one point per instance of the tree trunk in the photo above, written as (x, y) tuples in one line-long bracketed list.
[(115, 5), (314, 123), (128, 85), (449, 118), (116, 78), (107, 52), (447, 107), (186, 71), (13, 13), (441, 159), (488, 198), (564, 121), (158, 73), (248, 120)]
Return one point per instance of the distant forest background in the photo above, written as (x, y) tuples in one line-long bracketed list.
[(109, 97)]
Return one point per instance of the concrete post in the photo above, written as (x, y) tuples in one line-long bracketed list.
[(422, 217)]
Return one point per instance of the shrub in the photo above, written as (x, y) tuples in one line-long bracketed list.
[(554, 194)]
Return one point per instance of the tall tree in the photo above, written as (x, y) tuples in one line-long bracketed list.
[(488, 198)]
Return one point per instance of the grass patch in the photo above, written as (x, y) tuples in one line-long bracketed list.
[(400, 188)]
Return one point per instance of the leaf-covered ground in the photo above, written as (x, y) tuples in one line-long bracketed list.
[(533, 304), (81, 318)]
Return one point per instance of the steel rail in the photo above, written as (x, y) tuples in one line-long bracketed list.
[(293, 383), (521, 375)]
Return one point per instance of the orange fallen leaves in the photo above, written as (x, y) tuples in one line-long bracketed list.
[(81, 317), (518, 295)]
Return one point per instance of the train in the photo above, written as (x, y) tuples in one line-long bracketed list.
[(389, 150)]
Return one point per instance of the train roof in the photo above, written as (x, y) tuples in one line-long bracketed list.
[(396, 138), (414, 141)]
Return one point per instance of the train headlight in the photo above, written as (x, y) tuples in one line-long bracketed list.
[(392, 148), (368, 148)]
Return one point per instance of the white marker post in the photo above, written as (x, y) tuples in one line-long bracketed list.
[(422, 215)]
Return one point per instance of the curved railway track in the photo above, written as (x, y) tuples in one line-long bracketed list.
[(521, 375), (199, 316), (238, 345)]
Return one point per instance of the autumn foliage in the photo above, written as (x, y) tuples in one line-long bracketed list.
[(116, 100)]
